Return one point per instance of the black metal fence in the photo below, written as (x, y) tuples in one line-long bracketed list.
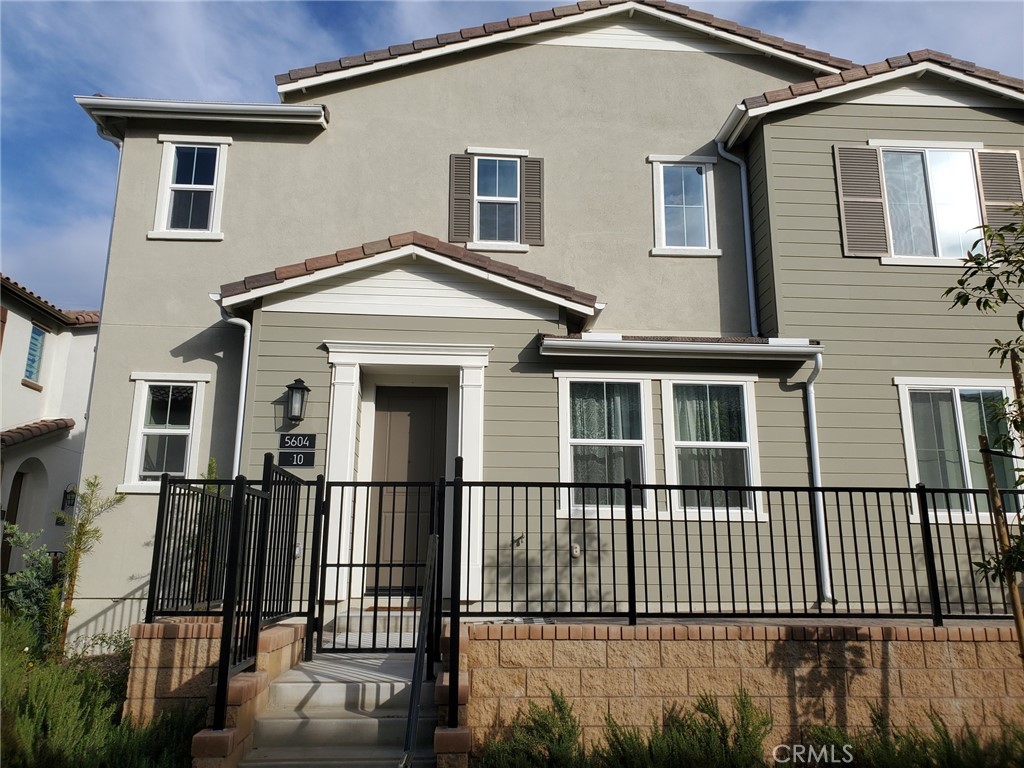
[(235, 550)]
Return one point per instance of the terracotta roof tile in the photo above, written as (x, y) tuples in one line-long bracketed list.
[(81, 318), (559, 12), (32, 430), (449, 250), (866, 72)]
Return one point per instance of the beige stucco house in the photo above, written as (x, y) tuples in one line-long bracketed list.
[(47, 357), (611, 240)]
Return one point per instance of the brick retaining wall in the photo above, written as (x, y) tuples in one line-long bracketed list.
[(799, 674)]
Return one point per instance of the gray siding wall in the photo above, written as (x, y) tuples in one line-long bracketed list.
[(876, 321), (764, 275)]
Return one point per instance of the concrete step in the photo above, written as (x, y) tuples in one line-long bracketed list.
[(331, 727), (354, 697), (324, 757)]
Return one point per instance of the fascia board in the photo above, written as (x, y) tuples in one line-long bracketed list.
[(303, 114), (741, 118), (406, 250), (546, 26), (676, 349)]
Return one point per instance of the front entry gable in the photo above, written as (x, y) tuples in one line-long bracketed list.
[(409, 275)]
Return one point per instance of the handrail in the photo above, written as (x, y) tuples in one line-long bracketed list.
[(425, 622)]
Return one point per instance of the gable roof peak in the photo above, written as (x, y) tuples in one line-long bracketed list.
[(495, 31)]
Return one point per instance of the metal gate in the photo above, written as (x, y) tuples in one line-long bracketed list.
[(373, 564)]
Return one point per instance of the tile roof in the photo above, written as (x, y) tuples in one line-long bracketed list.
[(26, 432), (81, 318), (454, 252), (538, 17), (869, 71)]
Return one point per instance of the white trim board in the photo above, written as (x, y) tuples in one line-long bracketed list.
[(627, 9)]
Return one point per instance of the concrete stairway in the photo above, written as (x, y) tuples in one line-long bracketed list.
[(343, 710)]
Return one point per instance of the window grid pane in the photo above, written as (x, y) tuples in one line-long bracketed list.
[(608, 416), (684, 206), (34, 360), (909, 213)]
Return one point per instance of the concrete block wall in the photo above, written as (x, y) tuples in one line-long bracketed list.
[(800, 675), (174, 664)]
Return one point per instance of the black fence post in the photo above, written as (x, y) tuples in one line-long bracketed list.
[(259, 571), (220, 705), (455, 596), (158, 546), (434, 640), (929, 554), (630, 554), (319, 510)]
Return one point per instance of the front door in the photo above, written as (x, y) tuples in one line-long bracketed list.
[(408, 457)]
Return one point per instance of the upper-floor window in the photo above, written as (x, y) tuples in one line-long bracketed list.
[(34, 359), (932, 201), (684, 208), (191, 188), (922, 203), (496, 199)]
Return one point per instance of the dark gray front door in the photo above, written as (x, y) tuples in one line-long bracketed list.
[(408, 447)]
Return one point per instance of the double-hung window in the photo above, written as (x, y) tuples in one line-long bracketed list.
[(34, 359), (684, 209), (709, 439), (165, 427), (942, 422), (922, 203), (496, 199), (191, 192), (607, 431)]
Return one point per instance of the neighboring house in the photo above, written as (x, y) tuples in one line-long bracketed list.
[(575, 245), (47, 356)]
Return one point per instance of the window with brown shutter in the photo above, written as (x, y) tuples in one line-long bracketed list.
[(496, 200), (922, 202)]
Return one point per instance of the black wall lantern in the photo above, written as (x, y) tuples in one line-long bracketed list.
[(69, 498), (295, 405)]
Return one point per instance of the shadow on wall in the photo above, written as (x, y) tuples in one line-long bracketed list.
[(120, 613), (820, 676)]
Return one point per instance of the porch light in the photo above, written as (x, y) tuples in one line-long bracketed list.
[(295, 407), (70, 497)]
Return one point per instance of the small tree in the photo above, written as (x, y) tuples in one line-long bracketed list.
[(83, 533), (993, 281)]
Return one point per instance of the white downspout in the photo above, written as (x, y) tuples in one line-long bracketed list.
[(246, 327), (748, 245), (819, 499)]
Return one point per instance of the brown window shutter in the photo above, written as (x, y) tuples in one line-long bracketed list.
[(460, 199), (531, 184), (861, 204), (1000, 185)]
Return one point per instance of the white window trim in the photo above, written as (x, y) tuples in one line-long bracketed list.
[(708, 164), (904, 385), (161, 231), (509, 246), (566, 508), (923, 147), (497, 151), (753, 455), (133, 459)]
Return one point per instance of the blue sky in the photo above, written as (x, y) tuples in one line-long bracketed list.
[(57, 177)]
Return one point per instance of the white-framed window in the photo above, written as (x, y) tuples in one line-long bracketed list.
[(496, 200), (166, 414), (684, 206), (605, 426), (942, 419), (34, 358), (931, 198), (191, 194), (710, 426)]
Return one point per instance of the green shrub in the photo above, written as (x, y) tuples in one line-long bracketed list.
[(542, 738), (64, 715), (885, 746)]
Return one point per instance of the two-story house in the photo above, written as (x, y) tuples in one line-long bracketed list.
[(610, 240), (47, 356)]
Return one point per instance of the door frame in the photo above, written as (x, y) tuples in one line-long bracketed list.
[(357, 368)]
